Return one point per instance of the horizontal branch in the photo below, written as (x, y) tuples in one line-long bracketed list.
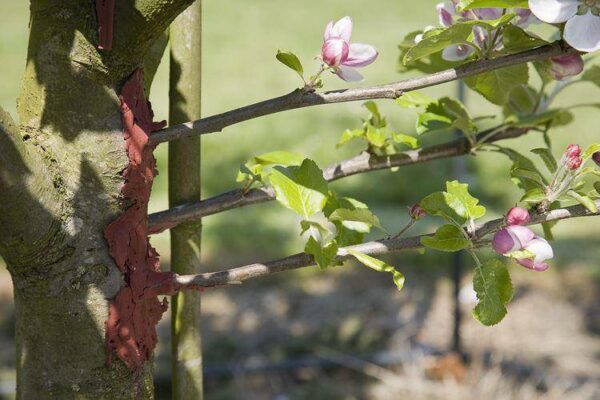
[(362, 163), (375, 248), (299, 98)]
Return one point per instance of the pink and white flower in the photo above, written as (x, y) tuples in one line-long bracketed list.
[(582, 17), (515, 238), (337, 51), (542, 251), (448, 15)]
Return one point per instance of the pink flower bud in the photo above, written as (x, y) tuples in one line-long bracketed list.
[(573, 150), (334, 51), (596, 158), (574, 163), (512, 238), (417, 212), (517, 216), (563, 67)]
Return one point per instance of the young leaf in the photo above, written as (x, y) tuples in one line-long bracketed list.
[(306, 225), (413, 100), (350, 134), (379, 266), (376, 136), (301, 189), (291, 61), (455, 34), (516, 40), (496, 85), (408, 140), (494, 290), (324, 256), (547, 157), (462, 202), (358, 219), (534, 196), (593, 148), (471, 4), (447, 238), (583, 200)]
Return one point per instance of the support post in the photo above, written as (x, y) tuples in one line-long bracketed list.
[(184, 186)]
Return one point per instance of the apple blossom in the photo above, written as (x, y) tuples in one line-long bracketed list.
[(542, 251), (512, 238), (596, 158), (448, 15), (573, 163), (563, 67), (341, 55), (582, 17), (517, 216)]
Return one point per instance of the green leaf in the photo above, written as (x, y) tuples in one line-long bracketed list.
[(324, 256), (375, 117), (291, 61), (496, 85), (408, 140), (349, 135), (547, 157), (459, 199), (376, 136), (446, 113), (255, 167), (358, 219), (301, 189), (413, 100), (583, 200), (531, 176), (589, 152), (522, 101), (379, 266), (592, 74), (516, 40), (446, 238), (306, 225), (471, 4), (534, 196), (455, 34), (557, 117), (494, 290)]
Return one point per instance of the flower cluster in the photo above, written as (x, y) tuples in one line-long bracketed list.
[(449, 15), (520, 242), (341, 55), (582, 17)]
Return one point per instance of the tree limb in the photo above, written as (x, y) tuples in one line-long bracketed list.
[(299, 98), (374, 248), (362, 163)]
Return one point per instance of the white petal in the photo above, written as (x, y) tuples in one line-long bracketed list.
[(328, 28), (542, 250), (342, 29), (554, 11), (583, 32), (349, 74), (360, 55), (457, 52)]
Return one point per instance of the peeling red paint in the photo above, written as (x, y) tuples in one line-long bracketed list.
[(105, 13), (135, 311)]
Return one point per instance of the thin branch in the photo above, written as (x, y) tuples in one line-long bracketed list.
[(375, 248), (362, 163), (299, 98)]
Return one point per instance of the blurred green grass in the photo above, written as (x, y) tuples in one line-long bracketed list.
[(239, 67)]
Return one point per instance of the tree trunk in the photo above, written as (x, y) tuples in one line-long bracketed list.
[(60, 186)]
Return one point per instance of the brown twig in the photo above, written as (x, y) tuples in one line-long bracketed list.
[(300, 98), (375, 248)]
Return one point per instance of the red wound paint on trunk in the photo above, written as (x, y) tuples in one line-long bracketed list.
[(105, 13), (135, 311)]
